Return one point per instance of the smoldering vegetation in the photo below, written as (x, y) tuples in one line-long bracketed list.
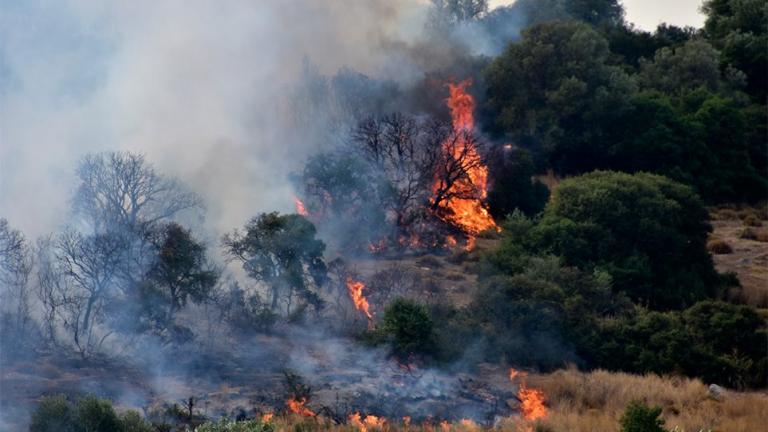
[(372, 216)]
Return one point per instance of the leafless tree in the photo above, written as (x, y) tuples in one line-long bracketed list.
[(15, 268), (120, 190), (459, 157), (403, 152), (77, 275)]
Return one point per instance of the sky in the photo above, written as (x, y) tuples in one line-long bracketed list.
[(647, 14)]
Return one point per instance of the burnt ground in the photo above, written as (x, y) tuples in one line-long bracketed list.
[(248, 380), (245, 376)]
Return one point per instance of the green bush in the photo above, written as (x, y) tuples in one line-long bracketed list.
[(97, 415), (53, 414), (225, 425), (409, 328), (133, 422), (89, 414), (639, 417), (648, 232)]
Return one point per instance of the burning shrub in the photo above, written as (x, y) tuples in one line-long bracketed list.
[(639, 417)]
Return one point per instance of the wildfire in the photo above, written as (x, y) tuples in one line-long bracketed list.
[(300, 208), (297, 407), (355, 289), (370, 421), (531, 400), (267, 417), (469, 214)]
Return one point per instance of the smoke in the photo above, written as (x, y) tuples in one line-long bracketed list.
[(201, 88)]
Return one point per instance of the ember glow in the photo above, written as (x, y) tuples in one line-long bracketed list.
[(267, 417), (300, 208), (531, 400), (469, 214), (297, 407), (355, 289)]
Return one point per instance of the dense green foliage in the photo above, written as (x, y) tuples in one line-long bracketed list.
[(644, 230), (577, 283), (283, 252), (88, 414), (511, 186), (582, 96), (409, 329), (639, 417)]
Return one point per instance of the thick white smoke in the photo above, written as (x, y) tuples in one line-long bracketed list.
[(199, 87)]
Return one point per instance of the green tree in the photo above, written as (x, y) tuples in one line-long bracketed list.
[(646, 231), (408, 326), (739, 28), (556, 90), (180, 272), (282, 252), (513, 186), (687, 67), (97, 415), (639, 417), (53, 414)]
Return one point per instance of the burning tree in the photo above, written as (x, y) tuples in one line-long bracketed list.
[(405, 179), (282, 252)]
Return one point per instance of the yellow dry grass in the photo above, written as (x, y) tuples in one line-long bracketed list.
[(594, 402)]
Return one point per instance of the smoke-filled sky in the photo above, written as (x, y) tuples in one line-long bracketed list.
[(647, 14), (199, 87)]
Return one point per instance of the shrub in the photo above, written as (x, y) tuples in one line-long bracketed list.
[(97, 415), (719, 247), (639, 417), (647, 231), (752, 221), (133, 422), (53, 414), (225, 425), (726, 214), (748, 234), (408, 326)]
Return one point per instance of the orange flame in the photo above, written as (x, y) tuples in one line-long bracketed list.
[(300, 208), (531, 400), (355, 289), (297, 407), (469, 425), (469, 214), (370, 421), (407, 421), (267, 417)]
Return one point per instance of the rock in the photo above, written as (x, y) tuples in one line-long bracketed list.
[(716, 391)]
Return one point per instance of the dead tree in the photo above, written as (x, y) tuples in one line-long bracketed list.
[(77, 279)]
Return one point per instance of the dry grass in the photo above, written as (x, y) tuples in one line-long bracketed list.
[(594, 402), (719, 247)]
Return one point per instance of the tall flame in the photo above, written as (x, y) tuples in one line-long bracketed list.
[(469, 214), (355, 289), (297, 407), (531, 400), (300, 208)]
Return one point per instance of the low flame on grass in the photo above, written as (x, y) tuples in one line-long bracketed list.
[(267, 417), (363, 423), (297, 407), (531, 400)]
